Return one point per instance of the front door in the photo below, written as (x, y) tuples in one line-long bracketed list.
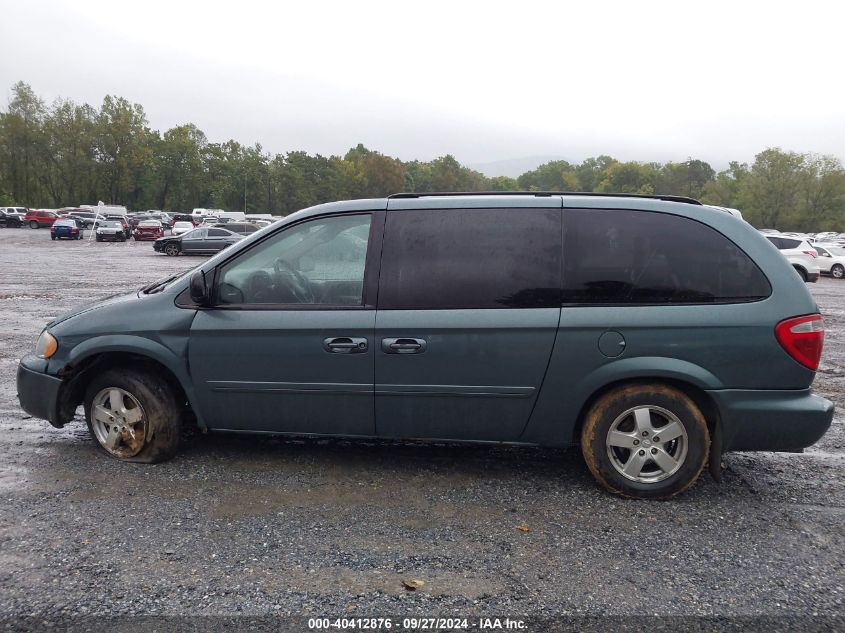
[(194, 241), (468, 310), (288, 346)]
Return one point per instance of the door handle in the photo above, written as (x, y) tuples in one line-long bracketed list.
[(345, 345), (403, 345)]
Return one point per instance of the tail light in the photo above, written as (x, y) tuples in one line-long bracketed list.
[(74, 230), (802, 338), (811, 253)]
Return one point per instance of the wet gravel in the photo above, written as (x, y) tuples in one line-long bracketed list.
[(258, 526)]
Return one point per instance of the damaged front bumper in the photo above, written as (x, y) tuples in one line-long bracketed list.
[(38, 391)]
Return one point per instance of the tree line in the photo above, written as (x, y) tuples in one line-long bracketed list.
[(66, 154)]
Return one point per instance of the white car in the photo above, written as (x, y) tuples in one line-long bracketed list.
[(801, 255), (831, 260), (182, 227)]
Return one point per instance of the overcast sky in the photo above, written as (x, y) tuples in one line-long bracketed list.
[(485, 81)]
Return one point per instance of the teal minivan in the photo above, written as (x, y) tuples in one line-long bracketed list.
[(653, 331)]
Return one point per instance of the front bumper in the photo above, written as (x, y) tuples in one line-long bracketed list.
[(38, 392), (771, 420)]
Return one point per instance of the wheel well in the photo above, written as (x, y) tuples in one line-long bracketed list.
[(77, 378), (698, 396)]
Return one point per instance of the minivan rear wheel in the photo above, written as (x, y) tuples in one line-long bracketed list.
[(133, 415), (647, 441)]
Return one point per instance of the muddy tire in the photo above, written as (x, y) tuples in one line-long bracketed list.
[(133, 415), (622, 444)]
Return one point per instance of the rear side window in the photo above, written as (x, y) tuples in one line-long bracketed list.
[(641, 257), (789, 243), (439, 259)]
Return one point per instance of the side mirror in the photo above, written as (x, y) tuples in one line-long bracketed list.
[(199, 289)]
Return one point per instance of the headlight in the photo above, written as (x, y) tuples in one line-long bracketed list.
[(46, 346)]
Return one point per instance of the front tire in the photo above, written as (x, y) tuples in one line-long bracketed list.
[(171, 249), (622, 444), (133, 415), (837, 271), (33, 224)]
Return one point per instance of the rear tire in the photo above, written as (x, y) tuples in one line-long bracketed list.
[(53, 237), (133, 415), (623, 449), (802, 273), (837, 271)]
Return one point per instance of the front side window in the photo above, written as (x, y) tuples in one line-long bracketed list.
[(318, 262), (643, 257), (441, 259), (196, 234)]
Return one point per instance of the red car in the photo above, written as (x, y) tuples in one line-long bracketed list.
[(37, 219), (148, 230)]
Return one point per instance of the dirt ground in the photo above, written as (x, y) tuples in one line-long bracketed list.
[(245, 525)]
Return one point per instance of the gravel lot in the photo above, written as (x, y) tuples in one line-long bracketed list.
[(258, 526)]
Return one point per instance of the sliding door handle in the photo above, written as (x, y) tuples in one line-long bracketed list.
[(403, 345)]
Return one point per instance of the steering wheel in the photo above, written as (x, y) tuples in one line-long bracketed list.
[(298, 283)]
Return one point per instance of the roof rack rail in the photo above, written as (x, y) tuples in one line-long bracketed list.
[(435, 194)]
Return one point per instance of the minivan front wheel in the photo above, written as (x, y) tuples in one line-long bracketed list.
[(645, 441), (133, 415)]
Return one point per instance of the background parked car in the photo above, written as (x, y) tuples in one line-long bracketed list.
[(110, 230), (9, 220), (241, 228), (831, 260), (800, 254), (127, 232), (184, 217), (148, 230), (18, 212), (66, 228), (201, 240), (89, 218), (37, 219), (183, 227)]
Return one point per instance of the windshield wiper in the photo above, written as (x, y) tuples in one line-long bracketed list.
[(158, 286)]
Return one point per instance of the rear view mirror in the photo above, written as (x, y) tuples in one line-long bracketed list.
[(199, 289)]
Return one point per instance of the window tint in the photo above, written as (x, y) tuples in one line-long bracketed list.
[(471, 258), (217, 233), (318, 262), (613, 256), (789, 243)]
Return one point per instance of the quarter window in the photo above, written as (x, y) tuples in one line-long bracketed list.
[(470, 258), (641, 257), (319, 262)]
